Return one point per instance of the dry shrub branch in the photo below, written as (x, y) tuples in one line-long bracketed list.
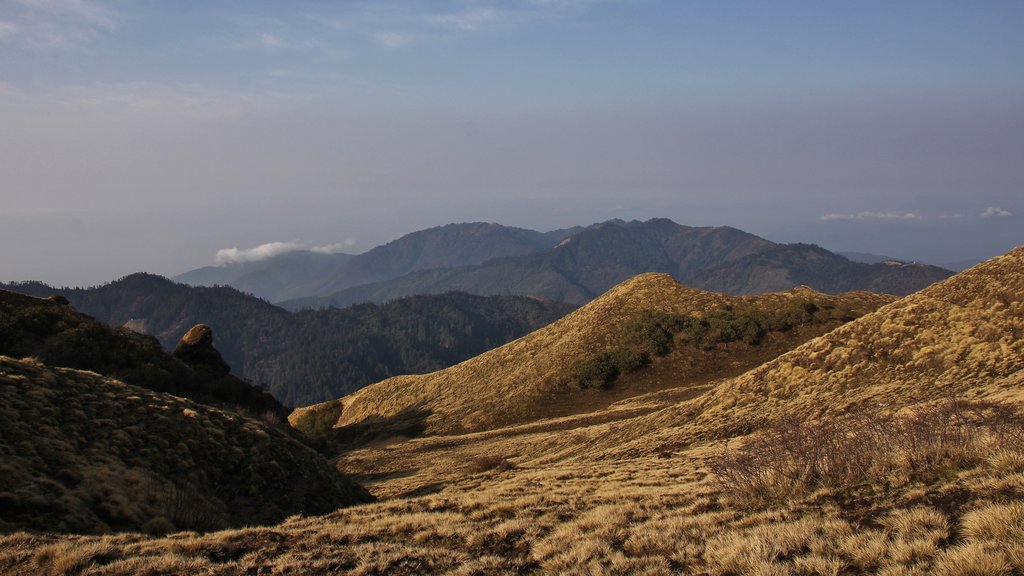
[(793, 457)]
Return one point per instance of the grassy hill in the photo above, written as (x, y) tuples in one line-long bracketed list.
[(651, 329), (964, 335), (84, 453)]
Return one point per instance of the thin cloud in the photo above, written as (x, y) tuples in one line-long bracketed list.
[(7, 29), (468, 21), (155, 99), (393, 40), (52, 25), (270, 41), (993, 212), (84, 11), (869, 215)]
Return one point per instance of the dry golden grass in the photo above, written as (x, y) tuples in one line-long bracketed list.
[(628, 489), (645, 515)]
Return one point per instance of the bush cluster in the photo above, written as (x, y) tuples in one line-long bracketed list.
[(601, 370), (793, 457), (656, 333)]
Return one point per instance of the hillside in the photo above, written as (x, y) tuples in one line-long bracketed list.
[(272, 279), (305, 273), (312, 356), (87, 454), (781, 267), (639, 488), (688, 336), (51, 331), (589, 262)]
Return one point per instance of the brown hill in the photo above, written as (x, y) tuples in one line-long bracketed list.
[(84, 453), (688, 337)]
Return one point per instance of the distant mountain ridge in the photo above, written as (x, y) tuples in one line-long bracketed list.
[(572, 265), (304, 273), (587, 263), (311, 356)]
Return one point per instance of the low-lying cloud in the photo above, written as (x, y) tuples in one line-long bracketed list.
[(269, 250), (990, 212), (868, 215), (993, 212)]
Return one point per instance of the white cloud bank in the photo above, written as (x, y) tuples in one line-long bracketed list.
[(868, 215), (993, 212), (273, 249), (334, 248)]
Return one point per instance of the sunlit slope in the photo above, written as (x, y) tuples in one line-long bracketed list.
[(962, 336), (522, 380)]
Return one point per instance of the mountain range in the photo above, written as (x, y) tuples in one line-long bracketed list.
[(306, 273), (311, 356), (573, 265)]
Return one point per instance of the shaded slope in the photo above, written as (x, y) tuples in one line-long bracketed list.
[(527, 378), (274, 279), (304, 273), (54, 333), (83, 453), (781, 267), (440, 247), (311, 356)]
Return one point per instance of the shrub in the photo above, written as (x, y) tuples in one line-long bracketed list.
[(601, 370), (654, 331), (794, 456), (487, 463)]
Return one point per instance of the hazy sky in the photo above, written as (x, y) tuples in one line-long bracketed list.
[(150, 134)]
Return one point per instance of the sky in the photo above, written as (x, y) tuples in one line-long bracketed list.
[(164, 135)]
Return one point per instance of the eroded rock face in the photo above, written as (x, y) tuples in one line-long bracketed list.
[(196, 349), (198, 335)]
